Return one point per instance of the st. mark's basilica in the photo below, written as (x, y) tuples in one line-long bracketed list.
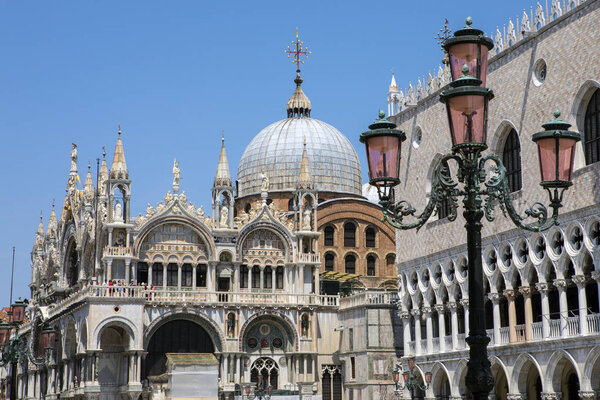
[(291, 280)]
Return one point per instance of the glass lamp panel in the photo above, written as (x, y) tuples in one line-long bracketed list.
[(396, 376), (547, 149), (467, 118), (405, 376), (18, 312), (4, 335), (468, 53), (383, 153)]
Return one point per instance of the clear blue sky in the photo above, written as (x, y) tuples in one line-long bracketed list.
[(176, 73)]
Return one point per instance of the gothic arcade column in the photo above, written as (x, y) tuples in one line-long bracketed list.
[(561, 285), (495, 299), (428, 329), (454, 322), (542, 287), (405, 315), (582, 303), (150, 265), (441, 326), (465, 304), (416, 313), (526, 292), (512, 315)]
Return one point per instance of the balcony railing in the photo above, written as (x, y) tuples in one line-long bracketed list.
[(112, 251), (311, 258), (369, 297), (593, 321)]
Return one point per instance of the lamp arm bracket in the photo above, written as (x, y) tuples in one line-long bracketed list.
[(443, 187), (498, 194)]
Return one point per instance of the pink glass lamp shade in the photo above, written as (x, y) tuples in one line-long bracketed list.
[(396, 375), (48, 338), (428, 377), (467, 107), (4, 333), (18, 311), (556, 151), (411, 363), (468, 47), (383, 143)]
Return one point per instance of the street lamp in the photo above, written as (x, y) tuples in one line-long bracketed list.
[(466, 105), (262, 391), (409, 378)]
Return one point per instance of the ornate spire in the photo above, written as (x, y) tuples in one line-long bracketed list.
[(298, 105), (222, 178), (51, 232), (118, 169), (40, 230), (88, 187), (305, 179), (393, 86)]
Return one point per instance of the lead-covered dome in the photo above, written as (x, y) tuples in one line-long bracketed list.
[(277, 150)]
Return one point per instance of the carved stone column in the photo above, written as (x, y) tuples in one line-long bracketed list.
[(428, 328), (405, 315), (416, 313), (179, 276), (495, 299), (596, 277), (561, 285), (516, 396), (582, 303), (542, 287), (262, 276), (441, 326), (526, 292), (512, 315), (150, 274), (465, 304), (587, 394), (551, 396), (452, 306), (250, 268)]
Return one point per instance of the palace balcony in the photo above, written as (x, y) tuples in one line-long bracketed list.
[(309, 258)]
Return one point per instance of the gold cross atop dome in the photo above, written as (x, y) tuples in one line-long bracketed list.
[(298, 51)]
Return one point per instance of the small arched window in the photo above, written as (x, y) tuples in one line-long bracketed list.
[(370, 265), (370, 237), (291, 205), (511, 158), (350, 262), (591, 131), (329, 262), (349, 234), (328, 237)]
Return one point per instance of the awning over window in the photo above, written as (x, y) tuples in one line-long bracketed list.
[(338, 276)]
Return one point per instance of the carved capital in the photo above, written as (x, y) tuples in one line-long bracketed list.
[(509, 294), (561, 284), (494, 297), (439, 308), (415, 312), (551, 396), (452, 306), (464, 303), (596, 275), (404, 314), (587, 394), (542, 287), (525, 291), (426, 310), (579, 280), (516, 396)]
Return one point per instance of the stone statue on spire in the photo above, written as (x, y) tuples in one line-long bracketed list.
[(176, 176), (74, 158)]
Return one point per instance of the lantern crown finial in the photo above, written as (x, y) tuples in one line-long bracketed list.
[(556, 113), (465, 70), (381, 114), (469, 21)]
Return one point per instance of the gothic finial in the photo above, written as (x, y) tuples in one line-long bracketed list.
[(119, 130), (103, 151), (223, 138)]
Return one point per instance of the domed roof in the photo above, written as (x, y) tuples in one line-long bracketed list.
[(277, 150)]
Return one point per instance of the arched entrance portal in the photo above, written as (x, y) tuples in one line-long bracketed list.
[(177, 336)]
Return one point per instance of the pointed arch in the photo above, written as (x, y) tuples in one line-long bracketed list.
[(556, 364), (458, 382), (521, 368), (591, 370)]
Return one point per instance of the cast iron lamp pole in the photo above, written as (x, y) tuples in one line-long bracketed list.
[(481, 191), (411, 382)]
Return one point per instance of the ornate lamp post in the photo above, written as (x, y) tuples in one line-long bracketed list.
[(410, 380), (466, 105), (262, 391)]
